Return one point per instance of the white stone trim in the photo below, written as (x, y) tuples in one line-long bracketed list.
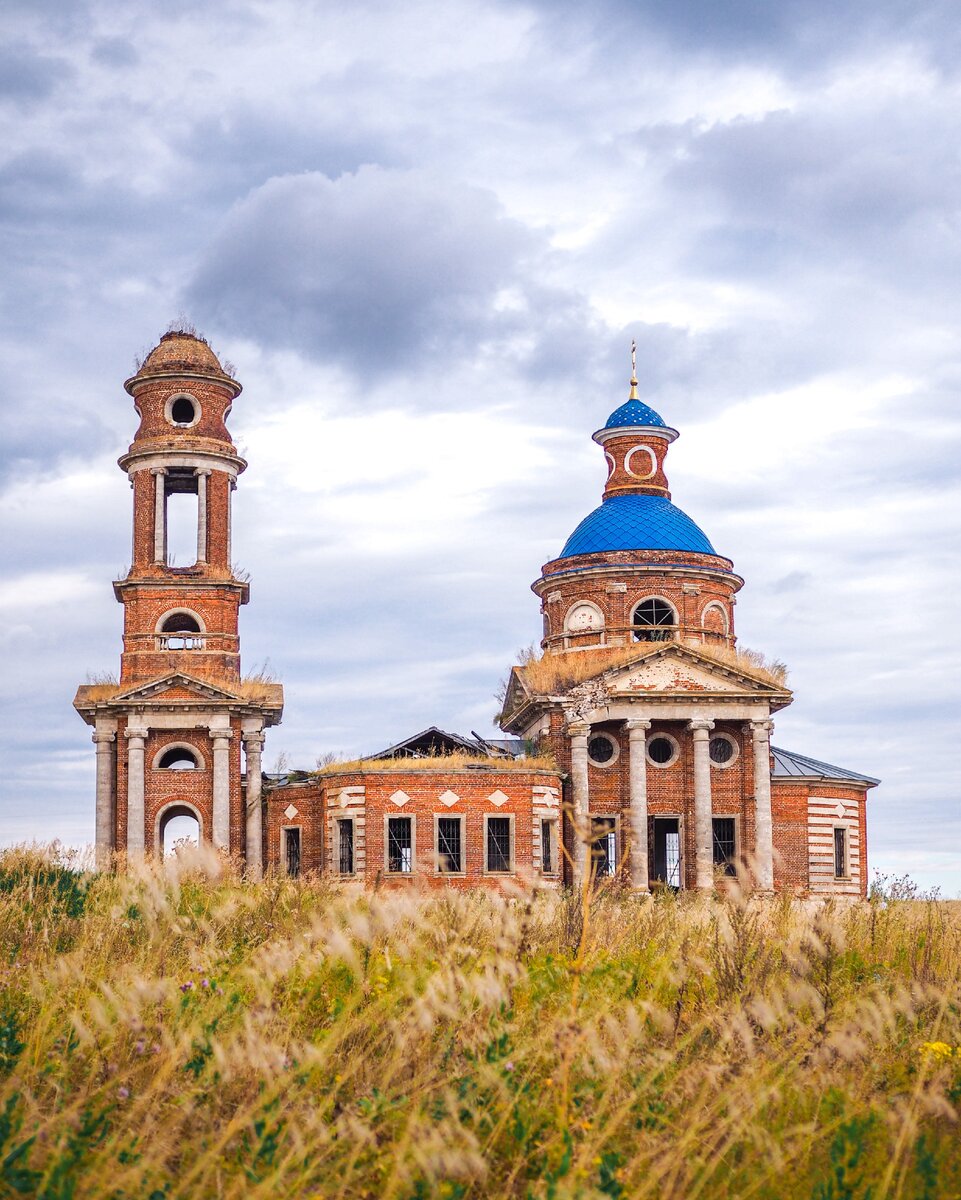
[(155, 762), (716, 604), (732, 742), (584, 604), (640, 450), (608, 737), (169, 408), (195, 812), (660, 733)]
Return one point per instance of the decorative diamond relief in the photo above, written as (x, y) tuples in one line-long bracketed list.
[(498, 798), (449, 798), (290, 812), (840, 809), (399, 798)]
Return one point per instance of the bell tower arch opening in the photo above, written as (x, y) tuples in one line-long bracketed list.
[(181, 729)]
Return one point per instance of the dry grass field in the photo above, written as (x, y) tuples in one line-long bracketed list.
[(180, 1033)]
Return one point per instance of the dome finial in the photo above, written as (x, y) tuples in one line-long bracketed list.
[(633, 395)]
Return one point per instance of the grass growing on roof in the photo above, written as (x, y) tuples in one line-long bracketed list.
[(549, 673), (183, 1034), (455, 761)]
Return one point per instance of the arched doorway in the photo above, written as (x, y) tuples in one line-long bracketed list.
[(178, 826)]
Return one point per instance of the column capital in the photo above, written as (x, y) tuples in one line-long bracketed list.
[(221, 735), (762, 729), (158, 470), (578, 729), (252, 740), (637, 725), (101, 737), (133, 735), (202, 471), (700, 725)]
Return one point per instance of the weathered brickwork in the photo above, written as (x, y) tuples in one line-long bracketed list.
[(664, 774)]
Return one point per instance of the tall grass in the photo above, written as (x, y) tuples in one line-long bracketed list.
[(180, 1033)]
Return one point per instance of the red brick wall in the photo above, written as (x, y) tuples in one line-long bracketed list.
[(320, 797), (558, 597), (620, 480)]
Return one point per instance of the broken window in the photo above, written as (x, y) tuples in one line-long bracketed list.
[(603, 846), (724, 844), (654, 620), (449, 848), (182, 411), (292, 852), (840, 853), (178, 758), (499, 849), (400, 845), (180, 631), (345, 846), (549, 847)]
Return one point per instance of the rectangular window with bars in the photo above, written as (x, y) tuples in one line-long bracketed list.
[(725, 847), (603, 846), (549, 847), (292, 851), (400, 845), (840, 853), (450, 850), (499, 849), (345, 846)]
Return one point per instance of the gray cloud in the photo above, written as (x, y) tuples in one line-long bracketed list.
[(372, 269), (26, 75)]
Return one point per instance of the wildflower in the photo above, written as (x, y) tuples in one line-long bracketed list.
[(508, 1066), (155, 1048), (205, 983), (186, 987), (123, 1093), (939, 1051), (140, 1046)]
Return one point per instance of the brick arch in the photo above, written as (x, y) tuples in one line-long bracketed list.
[(176, 808), (714, 619)]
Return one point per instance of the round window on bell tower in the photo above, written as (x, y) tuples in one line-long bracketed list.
[(182, 410)]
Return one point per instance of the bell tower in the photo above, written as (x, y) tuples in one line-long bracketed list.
[(182, 733)]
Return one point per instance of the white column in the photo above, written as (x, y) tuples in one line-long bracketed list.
[(159, 515), (253, 747), (703, 833), (221, 823), (104, 742), (637, 767), (202, 477), (763, 824), (579, 732), (136, 833)]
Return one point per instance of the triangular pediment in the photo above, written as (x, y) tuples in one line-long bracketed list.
[(176, 687), (681, 669)]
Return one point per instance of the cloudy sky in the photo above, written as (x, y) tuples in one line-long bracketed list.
[(425, 234)]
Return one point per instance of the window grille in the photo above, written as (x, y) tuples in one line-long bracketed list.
[(498, 844), (604, 846), (725, 847), (292, 852), (345, 847), (654, 621), (548, 863), (840, 853), (400, 845), (449, 848)]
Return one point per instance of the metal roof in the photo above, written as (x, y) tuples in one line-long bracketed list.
[(636, 522), (787, 764), (634, 412)]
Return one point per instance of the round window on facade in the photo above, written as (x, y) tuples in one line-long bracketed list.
[(602, 750), (182, 410), (640, 462), (722, 750), (654, 620), (662, 750)]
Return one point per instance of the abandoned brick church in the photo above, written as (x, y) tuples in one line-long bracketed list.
[(638, 745)]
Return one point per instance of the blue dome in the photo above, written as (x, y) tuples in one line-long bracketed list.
[(634, 412), (636, 522)]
